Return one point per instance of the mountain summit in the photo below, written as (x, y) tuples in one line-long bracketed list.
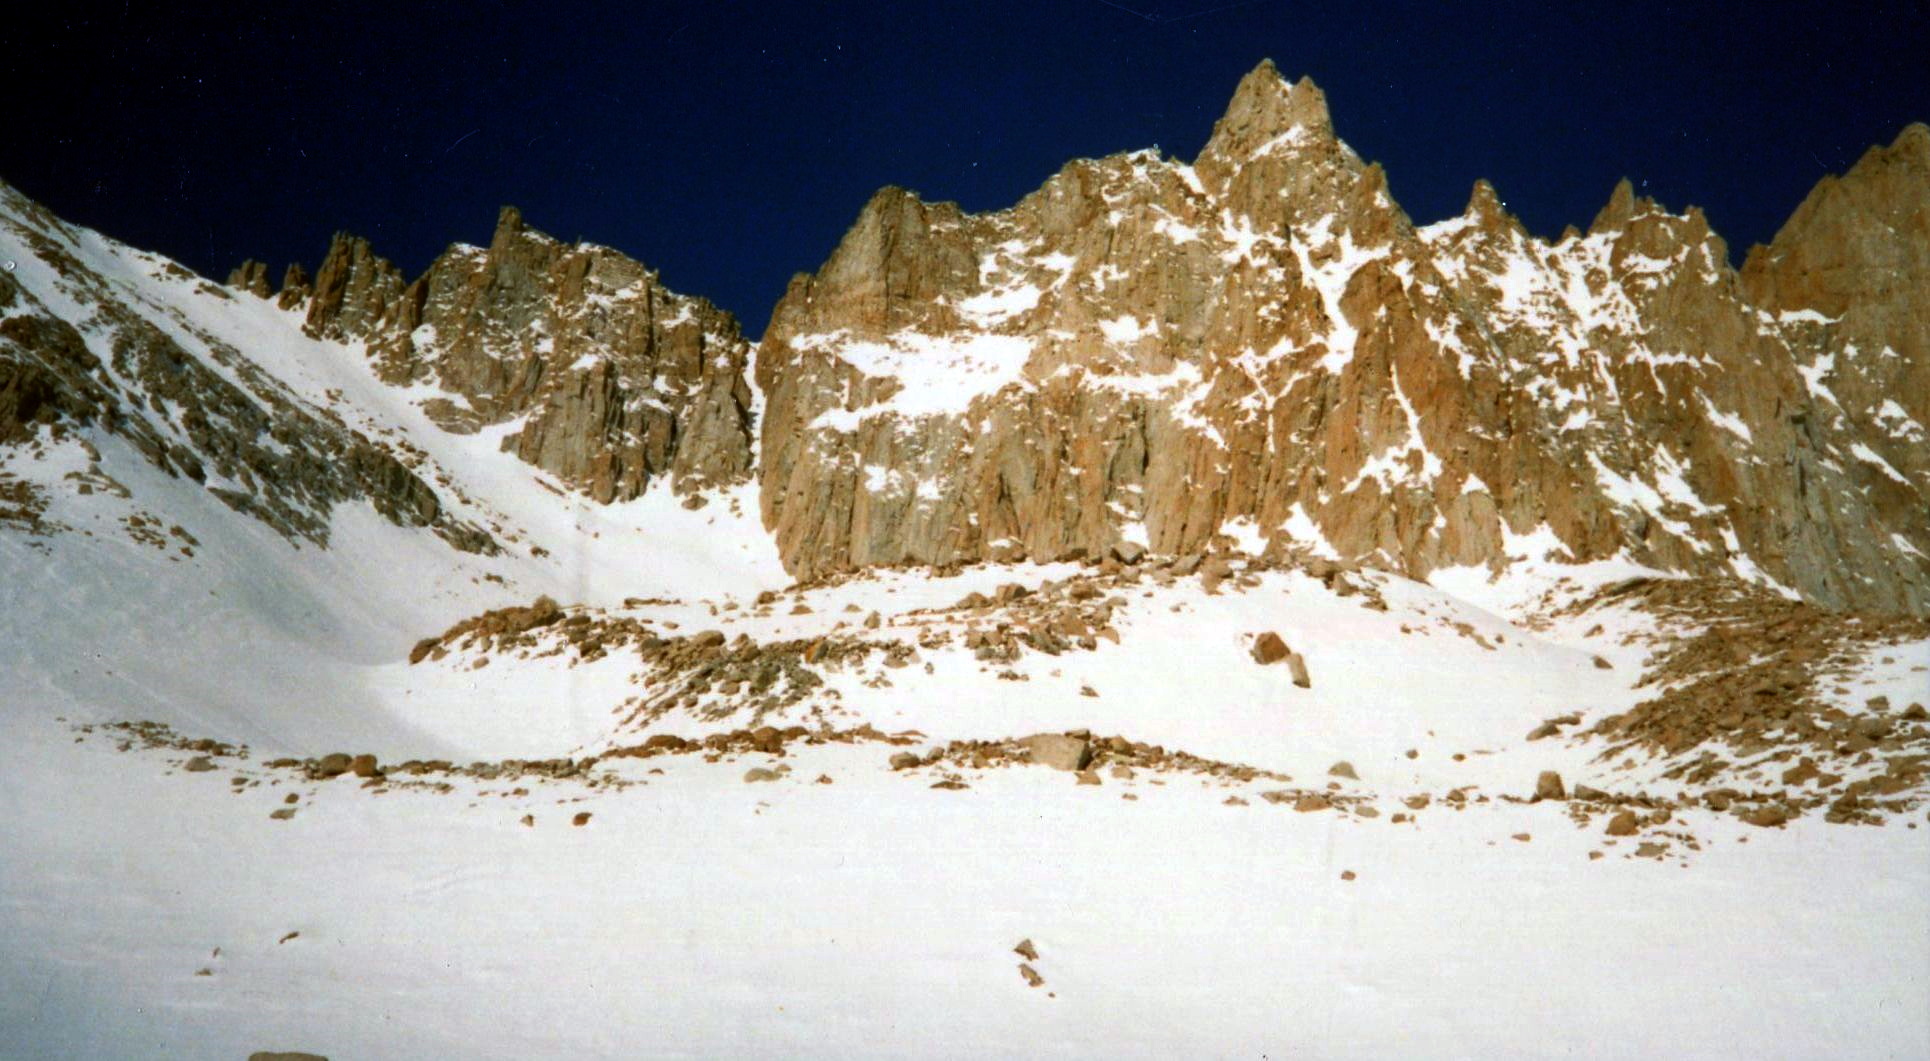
[(1261, 349)]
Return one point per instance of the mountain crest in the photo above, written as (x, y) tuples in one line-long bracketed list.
[(1268, 114)]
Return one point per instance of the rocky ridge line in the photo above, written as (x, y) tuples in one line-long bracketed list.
[(1261, 347), (609, 379)]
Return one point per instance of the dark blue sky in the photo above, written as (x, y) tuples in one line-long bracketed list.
[(730, 144)]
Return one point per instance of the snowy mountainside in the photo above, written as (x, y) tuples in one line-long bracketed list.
[(232, 513), (1194, 611)]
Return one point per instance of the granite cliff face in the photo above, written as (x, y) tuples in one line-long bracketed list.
[(605, 378), (1261, 349)]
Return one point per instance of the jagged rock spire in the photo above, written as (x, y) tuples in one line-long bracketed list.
[(1266, 111)]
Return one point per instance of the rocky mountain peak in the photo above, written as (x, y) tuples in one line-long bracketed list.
[(1274, 129), (613, 378), (355, 292), (509, 221), (1261, 349), (1621, 207), (1268, 112)]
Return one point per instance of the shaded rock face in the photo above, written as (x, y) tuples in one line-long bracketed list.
[(83, 349), (1261, 349), (614, 379), (1849, 277)]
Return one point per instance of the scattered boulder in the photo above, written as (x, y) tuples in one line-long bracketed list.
[(1268, 648), (1311, 802), (364, 766), (422, 649), (282, 814), (1767, 816), (334, 764), (1591, 794), (582, 818), (200, 764), (1623, 824), (1031, 975), (1343, 769), (1058, 750), (1026, 950), (1548, 786), (758, 773), (905, 760)]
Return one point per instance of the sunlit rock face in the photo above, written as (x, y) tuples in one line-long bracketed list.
[(1262, 349), (593, 370)]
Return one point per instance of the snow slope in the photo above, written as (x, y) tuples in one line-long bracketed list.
[(874, 917)]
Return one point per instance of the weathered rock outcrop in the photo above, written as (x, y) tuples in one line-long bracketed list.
[(1262, 347), (615, 380)]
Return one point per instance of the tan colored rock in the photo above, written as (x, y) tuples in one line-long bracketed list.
[(251, 276), (618, 380), (1296, 348), (1297, 670), (333, 764), (1059, 751), (1548, 786), (1269, 648), (1769, 815)]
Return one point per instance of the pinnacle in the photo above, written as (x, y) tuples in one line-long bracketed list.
[(1911, 147), (1914, 140), (1266, 106), (1621, 207), (1482, 200)]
